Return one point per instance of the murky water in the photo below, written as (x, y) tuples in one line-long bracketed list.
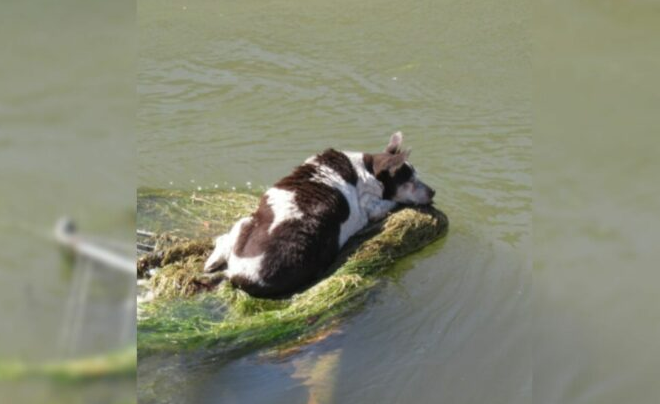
[(238, 92), (596, 204), (231, 92), (66, 111)]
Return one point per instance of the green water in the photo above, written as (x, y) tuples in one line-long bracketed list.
[(66, 114), (238, 92), (596, 202), (231, 92)]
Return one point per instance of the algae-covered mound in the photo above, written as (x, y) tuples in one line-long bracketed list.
[(191, 310)]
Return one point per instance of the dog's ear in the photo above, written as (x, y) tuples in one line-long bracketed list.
[(390, 162), (396, 141)]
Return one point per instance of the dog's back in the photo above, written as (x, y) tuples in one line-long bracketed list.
[(295, 232), (304, 220)]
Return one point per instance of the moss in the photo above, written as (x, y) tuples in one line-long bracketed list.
[(117, 364), (178, 254), (188, 314), (191, 214), (178, 216)]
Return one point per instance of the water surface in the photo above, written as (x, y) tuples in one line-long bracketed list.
[(233, 93), (66, 113), (597, 338)]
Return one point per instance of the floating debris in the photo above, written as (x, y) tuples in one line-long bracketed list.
[(91, 255)]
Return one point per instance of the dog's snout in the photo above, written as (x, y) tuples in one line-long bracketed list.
[(431, 192)]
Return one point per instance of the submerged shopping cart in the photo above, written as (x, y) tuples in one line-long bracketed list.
[(100, 267)]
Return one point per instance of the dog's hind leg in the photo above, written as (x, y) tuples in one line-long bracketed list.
[(219, 255), (223, 247)]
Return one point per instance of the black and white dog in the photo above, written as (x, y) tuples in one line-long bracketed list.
[(304, 219)]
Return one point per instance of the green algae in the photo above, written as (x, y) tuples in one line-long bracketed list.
[(121, 364), (190, 313), (191, 214)]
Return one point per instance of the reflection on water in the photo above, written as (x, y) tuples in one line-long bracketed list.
[(244, 91)]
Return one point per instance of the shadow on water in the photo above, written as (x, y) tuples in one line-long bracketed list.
[(398, 329), (256, 323), (309, 370)]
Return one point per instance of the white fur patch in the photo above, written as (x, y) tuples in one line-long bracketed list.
[(224, 245), (248, 268), (283, 205), (370, 190), (356, 219), (368, 184), (219, 254), (413, 191)]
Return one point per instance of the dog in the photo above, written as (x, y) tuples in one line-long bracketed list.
[(303, 221)]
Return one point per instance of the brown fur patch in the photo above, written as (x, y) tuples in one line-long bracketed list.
[(254, 234), (297, 251), (340, 163), (391, 171)]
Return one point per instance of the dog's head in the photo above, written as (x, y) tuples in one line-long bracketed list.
[(398, 176)]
